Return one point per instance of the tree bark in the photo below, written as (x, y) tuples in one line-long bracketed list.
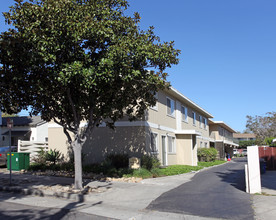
[(77, 148)]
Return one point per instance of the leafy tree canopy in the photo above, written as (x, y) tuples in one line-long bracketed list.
[(263, 126), (75, 60)]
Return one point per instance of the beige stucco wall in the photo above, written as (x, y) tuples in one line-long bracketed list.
[(130, 140), (171, 158), (58, 140), (160, 116), (136, 140), (185, 152), (213, 130)]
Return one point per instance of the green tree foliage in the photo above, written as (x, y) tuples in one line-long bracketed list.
[(262, 126), (268, 141), (80, 60), (243, 144)]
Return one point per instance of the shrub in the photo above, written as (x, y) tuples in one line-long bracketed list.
[(150, 162), (207, 154), (118, 160), (37, 167), (40, 157), (53, 156), (67, 166), (91, 168)]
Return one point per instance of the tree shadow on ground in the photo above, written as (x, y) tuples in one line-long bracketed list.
[(24, 185), (268, 180)]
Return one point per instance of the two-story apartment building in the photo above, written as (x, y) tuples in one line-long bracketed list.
[(221, 137), (172, 130)]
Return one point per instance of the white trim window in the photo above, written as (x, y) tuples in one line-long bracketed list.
[(171, 145), (184, 112), (206, 145), (170, 107), (205, 123), (155, 107), (200, 121), (194, 118), (154, 142)]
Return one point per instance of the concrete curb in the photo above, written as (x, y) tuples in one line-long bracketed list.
[(77, 197)]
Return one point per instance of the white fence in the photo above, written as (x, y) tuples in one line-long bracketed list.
[(32, 147)]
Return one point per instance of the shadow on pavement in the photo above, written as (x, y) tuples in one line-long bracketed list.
[(235, 178), (24, 185), (268, 180)]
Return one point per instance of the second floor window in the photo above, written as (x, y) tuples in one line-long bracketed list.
[(200, 121), (194, 118), (184, 112), (170, 107), (205, 123)]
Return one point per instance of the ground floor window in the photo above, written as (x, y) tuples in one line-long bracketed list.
[(154, 142), (171, 144)]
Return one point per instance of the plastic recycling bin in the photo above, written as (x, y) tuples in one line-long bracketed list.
[(262, 166), (19, 161)]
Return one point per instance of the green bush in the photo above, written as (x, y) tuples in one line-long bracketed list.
[(207, 154), (40, 158), (67, 166), (150, 162), (37, 167), (117, 160), (52, 156)]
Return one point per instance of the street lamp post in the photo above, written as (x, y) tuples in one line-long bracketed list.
[(9, 126)]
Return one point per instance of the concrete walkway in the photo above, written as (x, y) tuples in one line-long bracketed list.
[(265, 204), (119, 200)]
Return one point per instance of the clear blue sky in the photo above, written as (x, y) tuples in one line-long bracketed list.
[(228, 52)]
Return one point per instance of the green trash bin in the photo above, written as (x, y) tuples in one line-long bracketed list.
[(19, 161)]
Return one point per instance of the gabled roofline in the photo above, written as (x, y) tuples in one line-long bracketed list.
[(193, 104), (223, 124)]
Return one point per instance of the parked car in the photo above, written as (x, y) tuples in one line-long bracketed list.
[(244, 152), (3, 154), (235, 152)]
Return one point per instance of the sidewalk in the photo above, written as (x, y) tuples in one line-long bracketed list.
[(264, 205), (122, 200)]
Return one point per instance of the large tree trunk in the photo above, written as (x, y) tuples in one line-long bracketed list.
[(77, 148)]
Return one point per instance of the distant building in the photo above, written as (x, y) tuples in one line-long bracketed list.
[(244, 137), (24, 128), (221, 138)]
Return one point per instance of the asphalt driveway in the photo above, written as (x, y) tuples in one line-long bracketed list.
[(218, 192)]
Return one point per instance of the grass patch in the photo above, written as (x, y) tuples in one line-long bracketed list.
[(142, 172), (210, 164), (171, 170), (178, 169)]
